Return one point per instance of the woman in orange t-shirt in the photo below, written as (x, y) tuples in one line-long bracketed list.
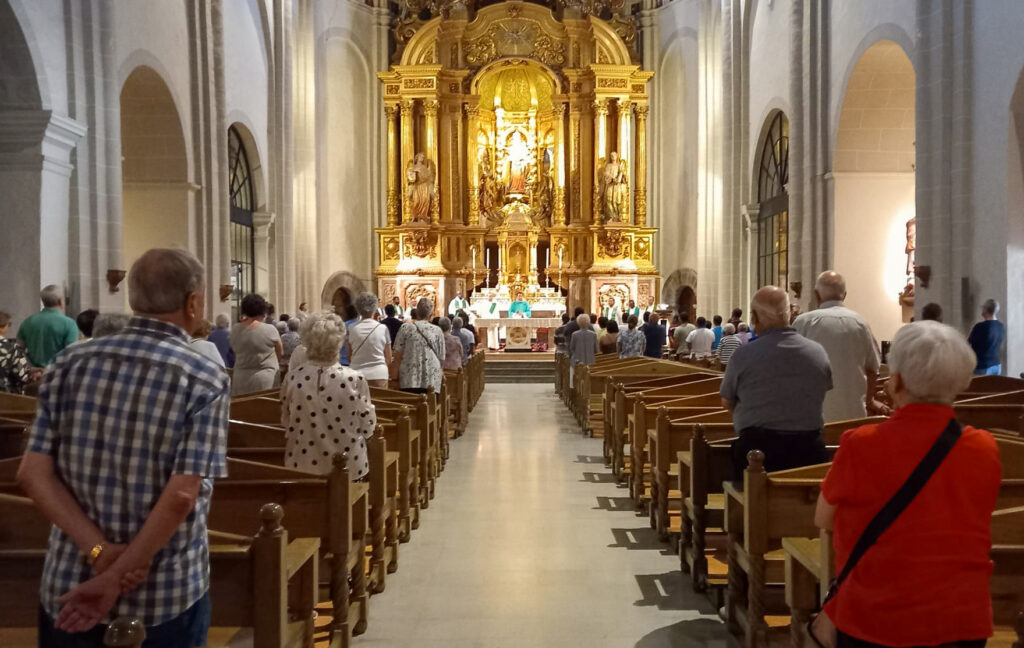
[(925, 582)]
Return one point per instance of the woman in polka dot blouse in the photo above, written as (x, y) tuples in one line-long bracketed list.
[(325, 407)]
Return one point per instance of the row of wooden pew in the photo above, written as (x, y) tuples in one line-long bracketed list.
[(755, 548), (294, 557)]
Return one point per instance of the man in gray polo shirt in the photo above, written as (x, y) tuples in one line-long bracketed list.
[(775, 387)]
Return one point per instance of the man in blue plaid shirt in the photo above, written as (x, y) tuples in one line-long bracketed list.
[(130, 432)]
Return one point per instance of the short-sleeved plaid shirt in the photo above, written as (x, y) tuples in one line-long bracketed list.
[(120, 415)]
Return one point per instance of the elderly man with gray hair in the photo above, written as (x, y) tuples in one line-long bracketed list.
[(49, 331), (775, 388), (851, 347), (130, 432), (419, 352)]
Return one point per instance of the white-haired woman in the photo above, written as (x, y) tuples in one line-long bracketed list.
[(325, 407), (369, 343), (583, 346), (934, 558), (419, 352), (452, 346)]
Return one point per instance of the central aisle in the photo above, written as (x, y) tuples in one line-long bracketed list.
[(530, 543)]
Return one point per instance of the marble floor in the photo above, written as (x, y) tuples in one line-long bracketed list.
[(530, 543)]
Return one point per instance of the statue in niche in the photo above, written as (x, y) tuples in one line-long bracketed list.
[(543, 195), (419, 177), (613, 188), (911, 249), (490, 193), (518, 163)]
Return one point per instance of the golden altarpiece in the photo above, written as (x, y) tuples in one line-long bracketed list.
[(516, 159)]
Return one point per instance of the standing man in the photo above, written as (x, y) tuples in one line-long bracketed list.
[(681, 333), (609, 311), (986, 339), (701, 340), (303, 311), (717, 330), (391, 321), (129, 534), (632, 309), (397, 303), (851, 347), (456, 304), (775, 390), (654, 334), (520, 307), (49, 331)]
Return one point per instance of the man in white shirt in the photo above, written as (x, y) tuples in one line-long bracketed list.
[(851, 347), (457, 304), (701, 339)]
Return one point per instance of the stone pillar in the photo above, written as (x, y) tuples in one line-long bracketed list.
[(559, 208), (575, 162), (641, 164), (261, 222), (625, 148), (408, 107), (391, 110), (600, 151), (430, 108), (473, 162)]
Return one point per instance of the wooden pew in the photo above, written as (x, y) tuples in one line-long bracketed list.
[(592, 404), (476, 370), (14, 403), (426, 415), (330, 508), (458, 388), (255, 582), (419, 423)]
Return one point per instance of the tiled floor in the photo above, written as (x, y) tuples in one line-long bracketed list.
[(529, 543)]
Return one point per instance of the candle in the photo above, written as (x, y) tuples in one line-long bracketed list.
[(474, 259), (488, 258), (560, 258), (547, 257)]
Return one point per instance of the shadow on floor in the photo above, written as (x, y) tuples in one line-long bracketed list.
[(641, 539), (615, 504), (670, 591), (585, 459), (707, 633), (599, 478)]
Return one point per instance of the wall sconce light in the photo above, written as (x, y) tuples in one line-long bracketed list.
[(923, 274), (225, 291), (114, 279)]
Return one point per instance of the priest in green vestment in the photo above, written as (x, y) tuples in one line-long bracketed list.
[(520, 307), (610, 311), (633, 309), (457, 304)]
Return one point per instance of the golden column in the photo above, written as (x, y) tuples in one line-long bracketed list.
[(600, 151), (625, 150), (641, 164), (430, 108), (391, 110), (558, 114), (408, 108), (575, 162), (472, 162)]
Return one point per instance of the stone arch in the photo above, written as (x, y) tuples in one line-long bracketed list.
[(155, 188), (243, 126), (347, 283), (23, 82), (679, 285)]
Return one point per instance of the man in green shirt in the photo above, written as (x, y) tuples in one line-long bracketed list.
[(519, 307), (49, 331)]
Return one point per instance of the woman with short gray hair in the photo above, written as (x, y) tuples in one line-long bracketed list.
[(369, 342), (325, 407), (922, 551), (452, 346), (419, 352)]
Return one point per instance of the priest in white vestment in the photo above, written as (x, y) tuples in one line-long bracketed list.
[(490, 310)]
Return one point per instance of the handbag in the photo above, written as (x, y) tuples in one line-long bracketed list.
[(820, 628)]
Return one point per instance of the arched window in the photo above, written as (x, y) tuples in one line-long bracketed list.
[(243, 200), (773, 214)]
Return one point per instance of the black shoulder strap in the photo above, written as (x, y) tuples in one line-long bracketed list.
[(899, 502)]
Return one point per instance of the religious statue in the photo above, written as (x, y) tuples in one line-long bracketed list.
[(518, 163), (490, 193), (543, 196), (420, 193), (911, 249), (613, 188)]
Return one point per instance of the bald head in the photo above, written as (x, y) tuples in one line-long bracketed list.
[(770, 308), (830, 286)]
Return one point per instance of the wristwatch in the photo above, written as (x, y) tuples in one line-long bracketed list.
[(94, 554)]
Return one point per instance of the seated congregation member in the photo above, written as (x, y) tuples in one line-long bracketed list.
[(654, 335), (775, 389), (465, 336), (728, 345), (583, 345), (453, 350), (631, 342), (851, 347), (391, 320), (129, 534), (369, 343), (700, 340), (681, 334), (221, 337), (204, 347), (419, 352), (608, 343), (326, 407), (925, 581), (986, 339), (257, 348), (49, 331), (15, 370)]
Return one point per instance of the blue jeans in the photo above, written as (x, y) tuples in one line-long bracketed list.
[(994, 370), (187, 630)]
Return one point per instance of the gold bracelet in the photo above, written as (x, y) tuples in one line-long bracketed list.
[(94, 554)]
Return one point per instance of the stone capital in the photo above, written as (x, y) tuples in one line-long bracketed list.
[(261, 222)]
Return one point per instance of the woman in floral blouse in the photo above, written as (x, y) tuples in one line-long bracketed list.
[(419, 351), (631, 342), (15, 370)]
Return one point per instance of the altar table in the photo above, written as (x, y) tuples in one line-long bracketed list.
[(519, 331)]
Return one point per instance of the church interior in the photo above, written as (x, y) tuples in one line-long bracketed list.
[(522, 162)]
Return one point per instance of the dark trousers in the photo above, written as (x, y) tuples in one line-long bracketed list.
[(187, 630), (414, 390), (782, 449), (846, 641)]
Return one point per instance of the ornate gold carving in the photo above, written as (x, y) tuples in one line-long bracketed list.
[(619, 291), (641, 110), (612, 83), (626, 29), (643, 293), (392, 89), (639, 88), (391, 247), (454, 88), (602, 56), (388, 292), (404, 30), (418, 84), (428, 57), (392, 208), (430, 107), (515, 37), (613, 244), (420, 243), (577, 86), (641, 210), (415, 292), (642, 244)]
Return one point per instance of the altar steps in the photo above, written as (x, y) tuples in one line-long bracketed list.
[(520, 371)]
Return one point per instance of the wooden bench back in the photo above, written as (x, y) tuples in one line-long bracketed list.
[(258, 409), (17, 403)]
